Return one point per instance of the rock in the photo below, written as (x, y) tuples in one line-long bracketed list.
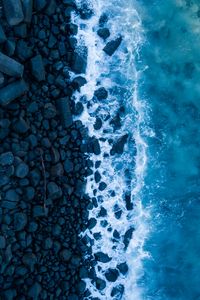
[(68, 166), (78, 108), (37, 68), (35, 177), (2, 78), (51, 7), (21, 126), (32, 226), (64, 109), (2, 35), (92, 223), (22, 170), (9, 294), (101, 93), (30, 193), (102, 186), (104, 33), (65, 255), (103, 20), (94, 146), (6, 158), (27, 6), (12, 91), (38, 211), (57, 170), (20, 31), (98, 123), (128, 237), (23, 51), (10, 67), (40, 4), (123, 268), (97, 177), (100, 284), (13, 11), (10, 46), (12, 196), (78, 82), (49, 111), (111, 275), (34, 291), (112, 46), (2, 242), (102, 257), (118, 146), (117, 292), (54, 191), (52, 41), (48, 243), (79, 62), (20, 221)]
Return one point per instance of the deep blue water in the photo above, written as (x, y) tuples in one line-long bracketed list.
[(172, 184)]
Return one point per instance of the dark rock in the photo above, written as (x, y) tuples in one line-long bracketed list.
[(52, 41), (2, 242), (22, 170), (23, 51), (21, 126), (94, 146), (104, 33), (20, 221), (32, 226), (78, 82), (51, 7), (20, 30), (54, 191), (12, 91), (123, 268), (64, 109), (2, 35), (102, 257), (117, 292), (111, 275), (30, 193), (40, 4), (4, 180), (57, 170), (73, 297), (101, 93), (49, 111), (79, 62), (2, 78), (102, 186), (10, 67), (100, 284), (48, 243), (78, 108), (9, 294), (12, 196), (65, 255), (98, 124), (103, 19), (38, 211), (34, 291), (35, 177), (118, 146), (27, 6), (6, 158), (10, 46), (112, 46), (13, 11), (68, 166), (37, 68), (128, 237), (92, 223), (97, 177)]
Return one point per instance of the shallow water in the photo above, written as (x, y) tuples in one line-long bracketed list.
[(152, 81)]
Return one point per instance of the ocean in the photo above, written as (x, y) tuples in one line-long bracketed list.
[(146, 197)]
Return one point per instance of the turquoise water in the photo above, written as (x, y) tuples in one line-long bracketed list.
[(171, 85)]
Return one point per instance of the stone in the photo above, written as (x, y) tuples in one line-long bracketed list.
[(111, 275), (20, 30), (48, 243), (2, 242), (54, 191), (68, 166), (2, 78), (20, 221), (2, 35), (112, 46), (97, 177), (11, 195), (57, 170), (51, 7), (30, 193), (92, 223), (117, 292), (27, 6), (79, 62), (101, 93), (63, 106), (38, 211), (98, 123), (10, 46), (6, 158), (102, 257), (102, 186), (12, 91), (40, 4), (10, 67), (78, 82), (21, 126), (22, 170), (128, 237), (123, 268), (104, 33), (34, 291), (118, 146), (65, 255), (13, 11), (37, 68), (49, 111), (100, 284)]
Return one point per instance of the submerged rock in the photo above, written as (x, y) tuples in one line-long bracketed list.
[(112, 46)]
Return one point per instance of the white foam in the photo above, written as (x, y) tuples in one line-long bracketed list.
[(111, 72)]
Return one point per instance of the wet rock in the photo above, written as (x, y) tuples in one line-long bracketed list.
[(12, 196), (48, 243), (34, 291), (10, 66), (112, 46), (111, 275), (20, 221), (2, 242), (9, 294), (23, 51), (20, 31), (64, 109), (97, 177), (49, 111), (57, 170), (78, 108), (128, 237), (51, 7), (10, 46), (2, 35), (98, 123), (94, 146), (54, 191), (2, 78), (6, 158), (68, 166), (100, 284), (102, 257), (40, 4), (92, 223), (102, 186), (101, 93), (30, 193), (65, 255), (37, 68), (79, 63), (78, 82), (13, 11), (104, 33), (118, 146), (123, 268), (22, 170), (12, 91), (21, 126), (117, 292), (27, 6), (38, 211)]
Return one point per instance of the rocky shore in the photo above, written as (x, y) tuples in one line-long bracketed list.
[(43, 154)]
